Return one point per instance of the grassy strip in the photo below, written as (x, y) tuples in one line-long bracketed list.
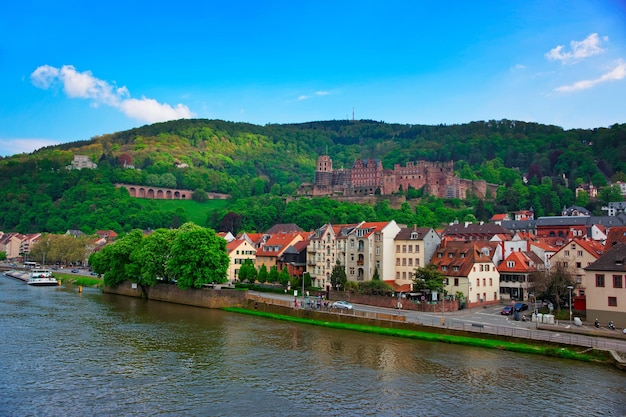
[(434, 337), (79, 280)]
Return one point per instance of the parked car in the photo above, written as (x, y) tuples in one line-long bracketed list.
[(75, 271), (344, 305), (507, 310), (521, 307)]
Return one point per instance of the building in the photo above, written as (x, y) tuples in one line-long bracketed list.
[(414, 247), (469, 270), (516, 273), (606, 287), (369, 177), (82, 161), (294, 259), (239, 251), (327, 245), (615, 207), (575, 256), (474, 231), (370, 247), (273, 248)]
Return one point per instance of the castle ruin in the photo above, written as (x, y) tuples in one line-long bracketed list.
[(368, 177)]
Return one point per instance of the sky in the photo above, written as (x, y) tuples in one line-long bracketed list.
[(73, 70)]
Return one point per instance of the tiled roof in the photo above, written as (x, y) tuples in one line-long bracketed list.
[(614, 260)]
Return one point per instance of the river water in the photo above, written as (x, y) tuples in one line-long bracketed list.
[(64, 353)]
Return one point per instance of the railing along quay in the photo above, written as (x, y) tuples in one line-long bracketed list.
[(551, 336)]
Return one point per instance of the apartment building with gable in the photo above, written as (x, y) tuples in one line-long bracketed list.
[(516, 272), (469, 269), (239, 251), (605, 280), (327, 245), (414, 247), (370, 247), (274, 246), (575, 256)]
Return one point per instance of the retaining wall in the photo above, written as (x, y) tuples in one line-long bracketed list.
[(199, 297)]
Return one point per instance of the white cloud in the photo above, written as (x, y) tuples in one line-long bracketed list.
[(617, 73), (317, 93), (16, 146), (85, 85), (579, 49), (152, 111)]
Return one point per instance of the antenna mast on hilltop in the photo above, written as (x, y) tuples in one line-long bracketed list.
[(353, 114)]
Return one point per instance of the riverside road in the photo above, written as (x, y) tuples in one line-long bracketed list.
[(489, 321)]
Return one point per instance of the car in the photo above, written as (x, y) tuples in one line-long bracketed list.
[(343, 305), (93, 273), (521, 307), (506, 311), (75, 271)]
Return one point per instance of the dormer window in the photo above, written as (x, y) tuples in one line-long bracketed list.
[(413, 235), (510, 264)]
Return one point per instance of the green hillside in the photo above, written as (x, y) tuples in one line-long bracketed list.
[(536, 165)]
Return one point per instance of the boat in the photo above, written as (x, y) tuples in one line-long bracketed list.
[(41, 278)]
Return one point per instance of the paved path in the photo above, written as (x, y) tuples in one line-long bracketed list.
[(490, 321)]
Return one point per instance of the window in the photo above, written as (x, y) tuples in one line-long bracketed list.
[(417, 249), (490, 282), (599, 280), (351, 271), (510, 264), (456, 268), (403, 248), (617, 281), (397, 248), (456, 282), (410, 261), (397, 274), (566, 253), (487, 268), (410, 248), (403, 274), (378, 251), (478, 282), (580, 253), (612, 301), (417, 261), (578, 265), (403, 261), (484, 282), (397, 261)]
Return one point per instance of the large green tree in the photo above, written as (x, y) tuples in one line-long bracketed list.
[(198, 257), (114, 261)]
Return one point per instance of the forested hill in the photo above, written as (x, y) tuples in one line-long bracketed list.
[(246, 160)]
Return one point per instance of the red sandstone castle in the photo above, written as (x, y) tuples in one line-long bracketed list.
[(368, 177)]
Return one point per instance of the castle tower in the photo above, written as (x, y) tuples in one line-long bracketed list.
[(324, 172)]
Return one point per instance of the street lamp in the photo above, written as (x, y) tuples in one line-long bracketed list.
[(570, 288)]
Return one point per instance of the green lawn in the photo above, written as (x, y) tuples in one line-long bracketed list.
[(196, 212)]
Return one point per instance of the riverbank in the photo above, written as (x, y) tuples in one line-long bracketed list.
[(391, 324), (588, 355)]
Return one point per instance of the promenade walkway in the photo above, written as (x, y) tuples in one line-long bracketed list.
[(584, 336)]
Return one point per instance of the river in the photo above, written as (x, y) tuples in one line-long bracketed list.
[(66, 353)]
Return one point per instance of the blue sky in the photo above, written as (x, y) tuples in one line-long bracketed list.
[(72, 70)]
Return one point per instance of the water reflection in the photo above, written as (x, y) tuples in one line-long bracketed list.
[(98, 354)]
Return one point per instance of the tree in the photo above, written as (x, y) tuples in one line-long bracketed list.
[(273, 274), (553, 284), (428, 278), (376, 276), (247, 272), (114, 260), (200, 196), (152, 256), (262, 275), (198, 257), (283, 277), (338, 276)]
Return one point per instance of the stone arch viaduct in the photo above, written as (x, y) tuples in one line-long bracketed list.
[(160, 193)]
